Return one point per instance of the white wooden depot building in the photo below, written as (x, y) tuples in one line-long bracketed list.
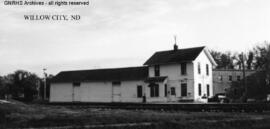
[(167, 76)]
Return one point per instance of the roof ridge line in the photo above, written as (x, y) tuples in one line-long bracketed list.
[(181, 49), (106, 68)]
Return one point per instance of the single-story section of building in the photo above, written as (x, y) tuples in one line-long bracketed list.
[(100, 85)]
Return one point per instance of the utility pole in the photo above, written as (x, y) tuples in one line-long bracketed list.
[(244, 76), (45, 75), (38, 89)]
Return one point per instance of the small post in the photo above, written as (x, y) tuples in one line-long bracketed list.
[(38, 89), (45, 75)]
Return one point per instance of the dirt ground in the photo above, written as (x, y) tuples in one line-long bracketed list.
[(20, 115)]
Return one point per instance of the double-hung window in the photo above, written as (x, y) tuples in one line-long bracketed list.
[(183, 68), (157, 70)]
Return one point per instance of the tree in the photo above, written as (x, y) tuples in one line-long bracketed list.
[(216, 55), (30, 86), (250, 60), (262, 56), (257, 85), (22, 84), (228, 60), (2, 88), (256, 88), (223, 60), (262, 59), (237, 60)]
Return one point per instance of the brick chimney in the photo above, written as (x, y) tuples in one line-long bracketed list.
[(175, 47)]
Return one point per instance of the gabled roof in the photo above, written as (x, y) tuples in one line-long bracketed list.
[(174, 56), (114, 74)]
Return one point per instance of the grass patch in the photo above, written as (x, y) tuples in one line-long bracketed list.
[(20, 115)]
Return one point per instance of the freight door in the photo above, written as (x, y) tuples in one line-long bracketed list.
[(76, 94), (116, 92)]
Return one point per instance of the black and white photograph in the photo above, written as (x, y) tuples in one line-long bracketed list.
[(134, 64)]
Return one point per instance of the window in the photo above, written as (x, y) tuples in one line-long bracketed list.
[(139, 91), (183, 68), (154, 90), (207, 69), (208, 89), (165, 90), (173, 91), (156, 68), (199, 68), (230, 77), (200, 89), (238, 78), (76, 84), (184, 89)]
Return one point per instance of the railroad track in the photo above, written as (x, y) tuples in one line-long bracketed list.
[(235, 107)]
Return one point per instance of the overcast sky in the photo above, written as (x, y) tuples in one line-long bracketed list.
[(120, 33)]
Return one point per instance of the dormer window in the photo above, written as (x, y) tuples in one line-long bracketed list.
[(183, 68), (157, 71)]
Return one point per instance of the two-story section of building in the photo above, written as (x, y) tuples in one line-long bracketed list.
[(184, 74), (223, 78)]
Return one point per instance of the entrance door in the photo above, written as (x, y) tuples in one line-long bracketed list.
[(116, 92), (76, 94), (184, 89)]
